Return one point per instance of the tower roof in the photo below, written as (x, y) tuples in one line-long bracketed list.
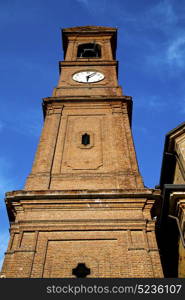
[(89, 29)]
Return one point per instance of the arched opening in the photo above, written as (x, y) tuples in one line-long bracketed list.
[(89, 50)]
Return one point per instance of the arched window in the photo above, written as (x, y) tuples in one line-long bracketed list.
[(89, 50)]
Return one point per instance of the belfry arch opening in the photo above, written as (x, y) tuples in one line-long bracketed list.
[(90, 50)]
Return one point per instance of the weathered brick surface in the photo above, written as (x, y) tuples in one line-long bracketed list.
[(110, 161), (111, 236)]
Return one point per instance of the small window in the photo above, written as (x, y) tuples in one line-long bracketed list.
[(85, 139), (89, 50), (81, 271)]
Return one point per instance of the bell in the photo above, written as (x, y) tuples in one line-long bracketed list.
[(87, 52)]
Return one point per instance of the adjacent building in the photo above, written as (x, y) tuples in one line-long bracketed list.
[(171, 225)]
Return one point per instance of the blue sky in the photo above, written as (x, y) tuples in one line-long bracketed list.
[(151, 54)]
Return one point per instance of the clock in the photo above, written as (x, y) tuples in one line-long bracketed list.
[(88, 76)]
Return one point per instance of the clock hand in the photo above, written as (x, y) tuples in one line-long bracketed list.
[(92, 74)]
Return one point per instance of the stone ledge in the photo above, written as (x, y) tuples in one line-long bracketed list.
[(82, 194)]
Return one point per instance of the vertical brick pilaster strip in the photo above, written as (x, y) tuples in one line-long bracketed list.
[(129, 238), (131, 148), (35, 247), (46, 148)]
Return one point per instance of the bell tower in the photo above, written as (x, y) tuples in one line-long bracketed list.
[(84, 211), (87, 102)]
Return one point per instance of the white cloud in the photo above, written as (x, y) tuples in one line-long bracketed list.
[(176, 52), (169, 58), (167, 54), (162, 14)]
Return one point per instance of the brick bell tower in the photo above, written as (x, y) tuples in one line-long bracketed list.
[(84, 211)]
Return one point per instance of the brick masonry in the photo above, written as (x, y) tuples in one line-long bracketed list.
[(84, 204)]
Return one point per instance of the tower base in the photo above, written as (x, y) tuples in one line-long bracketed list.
[(63, 234)]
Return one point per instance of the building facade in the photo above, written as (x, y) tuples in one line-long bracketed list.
[(171, 224), (84, 210)]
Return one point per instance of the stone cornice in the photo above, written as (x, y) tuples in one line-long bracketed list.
[(87, 62), (87, 98), (101, 199), (84, 99), (85, 194)]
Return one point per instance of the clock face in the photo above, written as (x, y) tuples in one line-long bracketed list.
[(88, 76)]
